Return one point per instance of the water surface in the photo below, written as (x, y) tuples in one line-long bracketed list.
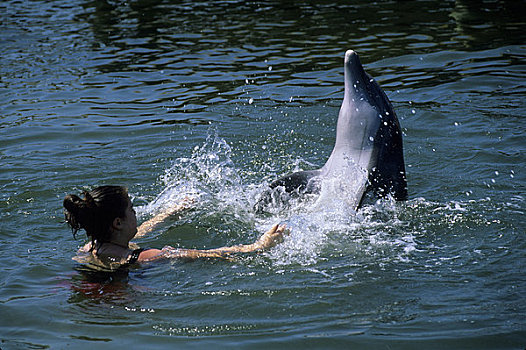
[(217, 99)]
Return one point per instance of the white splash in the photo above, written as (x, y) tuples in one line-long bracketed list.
[(320, 225)]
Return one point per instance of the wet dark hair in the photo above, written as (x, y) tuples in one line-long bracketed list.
[(96, 212)]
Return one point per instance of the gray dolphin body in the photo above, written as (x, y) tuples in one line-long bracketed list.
[(368, 136)]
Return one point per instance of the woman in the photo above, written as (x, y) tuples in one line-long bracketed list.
[(107, 215)]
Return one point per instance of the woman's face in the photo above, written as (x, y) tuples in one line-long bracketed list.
[(129, 222)]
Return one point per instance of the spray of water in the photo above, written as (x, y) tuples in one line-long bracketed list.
[(320, 225)]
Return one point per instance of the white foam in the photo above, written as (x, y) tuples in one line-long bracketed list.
[(320, 226)]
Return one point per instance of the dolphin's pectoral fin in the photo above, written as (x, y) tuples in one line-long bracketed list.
[(298, 182), (287, 187)]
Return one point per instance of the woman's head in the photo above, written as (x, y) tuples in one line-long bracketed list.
[(96, 212)]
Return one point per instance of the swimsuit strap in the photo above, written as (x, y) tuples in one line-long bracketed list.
[(134, 256)]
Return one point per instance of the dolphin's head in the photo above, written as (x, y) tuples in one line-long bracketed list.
[(360, 86), (355, 76), (365, 105), (361, 114), (368, 130)]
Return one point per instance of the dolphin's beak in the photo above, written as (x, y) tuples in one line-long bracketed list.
[(349, 55), (355, 78)]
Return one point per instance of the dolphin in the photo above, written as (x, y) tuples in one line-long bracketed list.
[(368, 144)]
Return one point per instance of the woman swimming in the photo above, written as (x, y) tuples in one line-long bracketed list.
[(107, 215)]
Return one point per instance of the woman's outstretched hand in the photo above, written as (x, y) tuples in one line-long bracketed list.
[(272, 237)]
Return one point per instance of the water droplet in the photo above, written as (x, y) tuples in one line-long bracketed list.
[(250, 101), (269, 68), (413, 111), (371, 138)]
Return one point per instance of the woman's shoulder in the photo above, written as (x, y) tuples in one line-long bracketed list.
[(86, 248)]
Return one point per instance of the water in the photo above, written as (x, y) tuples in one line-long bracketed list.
[(216, 100)]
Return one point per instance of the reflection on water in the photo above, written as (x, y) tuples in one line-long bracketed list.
[(217, 99), (109, 288)]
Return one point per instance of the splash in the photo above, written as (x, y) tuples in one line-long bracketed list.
[(320, 225), (209, 178)]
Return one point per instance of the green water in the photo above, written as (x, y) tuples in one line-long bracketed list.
[(218, 99)]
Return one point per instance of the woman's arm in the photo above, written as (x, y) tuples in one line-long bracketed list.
[(150, 224), (266, 241)]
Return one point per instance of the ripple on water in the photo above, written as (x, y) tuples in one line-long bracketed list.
[(129, 92)]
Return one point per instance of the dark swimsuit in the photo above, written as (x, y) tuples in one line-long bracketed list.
[(134, 256)]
